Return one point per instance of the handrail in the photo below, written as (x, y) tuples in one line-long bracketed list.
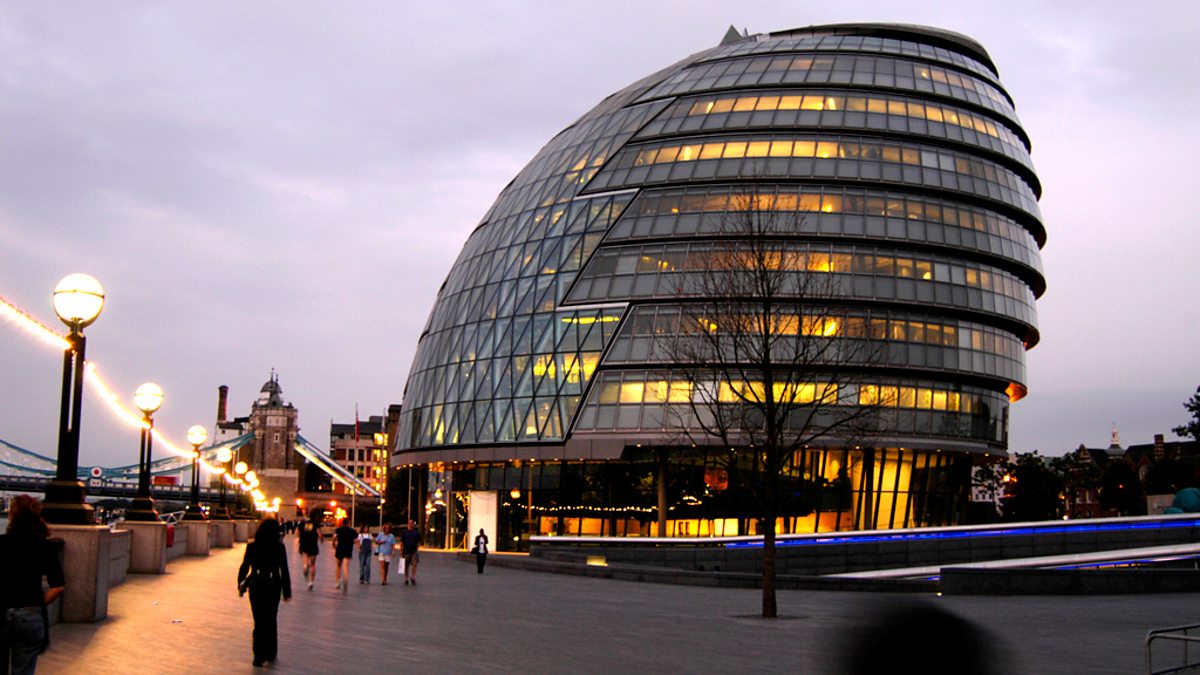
[(330, 466), (171, 464), (1171, 633)]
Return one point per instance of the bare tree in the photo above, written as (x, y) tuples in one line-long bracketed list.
[(766, 363)]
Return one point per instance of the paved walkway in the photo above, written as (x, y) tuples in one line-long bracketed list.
[(191, 620)]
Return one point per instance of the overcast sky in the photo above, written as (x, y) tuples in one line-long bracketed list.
[(285, 185)]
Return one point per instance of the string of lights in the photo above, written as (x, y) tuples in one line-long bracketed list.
[(49, 337)]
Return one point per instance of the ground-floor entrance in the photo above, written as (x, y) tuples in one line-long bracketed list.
[(707, 493)]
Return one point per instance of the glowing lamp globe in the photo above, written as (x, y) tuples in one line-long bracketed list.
[(78, 299), (240, 468), (148, 398), (224, 455), (196, 435)]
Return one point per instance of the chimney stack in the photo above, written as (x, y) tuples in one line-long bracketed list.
[(222, 399)]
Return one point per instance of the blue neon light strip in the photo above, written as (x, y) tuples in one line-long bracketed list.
[(972, 534), (1129, 561)]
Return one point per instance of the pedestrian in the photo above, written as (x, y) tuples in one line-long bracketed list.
[(309, 544), (343, 550), (480, 550), (26, 555), (264, 573), (365, 544), (386, 541), (410, 542)]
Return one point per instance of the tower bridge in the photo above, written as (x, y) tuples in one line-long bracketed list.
[(23, 470)]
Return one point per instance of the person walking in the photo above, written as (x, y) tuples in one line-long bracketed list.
[(480, 550), (386, 541), (26, 555), (309, 545), (343, 550), (410, 542), (366, 543), (264, 573)]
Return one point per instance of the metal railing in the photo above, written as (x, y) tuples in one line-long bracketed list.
[(1180, 634), (336, 471)]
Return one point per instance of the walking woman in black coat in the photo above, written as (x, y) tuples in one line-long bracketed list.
[(264, 573)]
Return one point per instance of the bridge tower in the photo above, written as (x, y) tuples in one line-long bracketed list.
[(272, 455)]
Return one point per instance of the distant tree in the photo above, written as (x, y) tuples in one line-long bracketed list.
[(989, 480), (1079, 476), (1034, 489), (1192, 428), (1168, 476), (1121, 490)]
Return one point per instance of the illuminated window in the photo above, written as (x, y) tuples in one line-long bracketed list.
[(680, 392), (631, 392)]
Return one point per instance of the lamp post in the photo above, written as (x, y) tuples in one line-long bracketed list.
[(196, 435), (224, 457), (148, 398), (78, 299)]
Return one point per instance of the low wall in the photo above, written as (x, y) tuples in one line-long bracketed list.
[(180, 545), (54, 611), (968, 581), (118, 556), (833, 553), (663, 575)]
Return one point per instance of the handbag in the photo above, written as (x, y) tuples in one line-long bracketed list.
[(255, 578), (45, 630)]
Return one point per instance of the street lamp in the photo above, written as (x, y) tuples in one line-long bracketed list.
[(148, 398), (78, 299), (196, 435), (224, 457)]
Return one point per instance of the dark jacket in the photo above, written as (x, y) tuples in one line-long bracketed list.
[(24, 560), (265, 563)]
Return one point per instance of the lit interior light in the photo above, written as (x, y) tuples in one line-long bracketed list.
[(589, 320)]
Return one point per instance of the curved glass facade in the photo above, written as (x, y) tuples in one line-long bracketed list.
[(905, 175)]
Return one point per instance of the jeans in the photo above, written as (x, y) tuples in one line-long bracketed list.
[(364, 567), (22, 640)]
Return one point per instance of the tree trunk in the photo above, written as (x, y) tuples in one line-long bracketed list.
[(769, 609), (661, 456)]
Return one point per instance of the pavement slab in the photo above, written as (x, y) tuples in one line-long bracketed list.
[(191, 620)]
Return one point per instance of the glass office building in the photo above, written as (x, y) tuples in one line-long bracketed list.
[(897, 156)]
